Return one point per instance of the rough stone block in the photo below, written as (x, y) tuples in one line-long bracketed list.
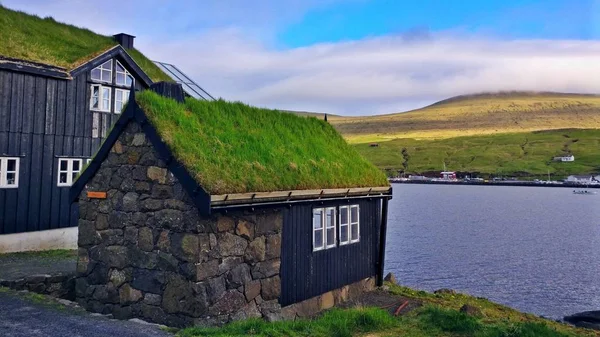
[(266, 269), (164, 242), (157, 174), (229, 263), (87, 234), (185, 246), (145, 239), (238, 276), (245, 229), (251, 290), (206, 270), (327, 300), (256, 250), (215, 288), (128, 295), (273, 247), (101, 222), (118, 277), (270, 288), (225, 224), (230, 302), (148, 280), (231, 245), (152, 299), (268, 223)]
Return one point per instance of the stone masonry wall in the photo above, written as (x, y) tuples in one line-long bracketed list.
[(145, 252)]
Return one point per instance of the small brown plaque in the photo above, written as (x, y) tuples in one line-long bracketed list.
[(96, 195)]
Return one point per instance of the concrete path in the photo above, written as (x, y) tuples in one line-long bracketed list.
[(29, 315), (20, 265)]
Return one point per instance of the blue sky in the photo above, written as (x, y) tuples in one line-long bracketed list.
[(355, 57), (355, 20)]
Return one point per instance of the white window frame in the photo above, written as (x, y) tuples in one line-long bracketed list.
[(314, 230), (333, 224), (100, 98), (354, 223), (102, 69), (4, 172), (124, 99), (324, 227), (126, 73), (69, 171), (344, 226)]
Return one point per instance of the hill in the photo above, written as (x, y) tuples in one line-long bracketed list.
[(507, 133), (480, 114)]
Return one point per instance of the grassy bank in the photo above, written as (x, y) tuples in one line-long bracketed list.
[(519, 154), (439, 315)]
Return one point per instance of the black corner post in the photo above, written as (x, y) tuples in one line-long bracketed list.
[(382, 239)]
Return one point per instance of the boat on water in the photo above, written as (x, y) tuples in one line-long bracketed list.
[(584, 192)]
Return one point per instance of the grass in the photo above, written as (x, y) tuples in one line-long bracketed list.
[(477, 115), (334, 323), (47, 41), (55, 253), (515, 154), (236, 148), (439, 316)]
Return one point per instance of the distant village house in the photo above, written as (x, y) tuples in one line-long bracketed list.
[(564, 158)]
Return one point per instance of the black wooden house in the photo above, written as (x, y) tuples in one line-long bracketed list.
[(53, 118)]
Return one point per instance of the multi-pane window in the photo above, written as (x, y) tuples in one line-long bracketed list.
[(68, 169), (344, 225), (349, 230), (100, 98), (121, 97), (123, 76), (9, 172), (354, 224), (103, 72), (324, 228)]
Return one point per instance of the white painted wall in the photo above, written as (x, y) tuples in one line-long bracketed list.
[(61, 238)]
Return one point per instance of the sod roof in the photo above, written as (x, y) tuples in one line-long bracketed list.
[(235, 148), (29, 37)]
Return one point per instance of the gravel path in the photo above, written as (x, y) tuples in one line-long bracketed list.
[(27, 315)]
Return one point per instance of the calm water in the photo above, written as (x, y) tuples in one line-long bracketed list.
[(536, 249)]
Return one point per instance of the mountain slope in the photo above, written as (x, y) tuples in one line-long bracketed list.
[(477, 115)]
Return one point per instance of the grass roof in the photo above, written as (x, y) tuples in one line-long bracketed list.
[(29, 37), (236, 148)]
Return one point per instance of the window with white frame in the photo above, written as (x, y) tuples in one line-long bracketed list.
[(354, 224), (68, 169), (103, 72), (324, 235), (121, 97), (123, 76), (100, 98), (9, 172), (349, 224)]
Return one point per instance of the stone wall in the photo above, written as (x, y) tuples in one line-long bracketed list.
[(56, 285), (145, 252)]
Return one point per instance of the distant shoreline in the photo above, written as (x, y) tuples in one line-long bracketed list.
[(494, 183)]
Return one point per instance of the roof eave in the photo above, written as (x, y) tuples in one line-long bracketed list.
[(283, 197)]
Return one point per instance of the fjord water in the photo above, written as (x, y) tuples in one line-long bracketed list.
[(536, 249)]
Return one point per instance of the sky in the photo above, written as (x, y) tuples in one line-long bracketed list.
[(355, 57)]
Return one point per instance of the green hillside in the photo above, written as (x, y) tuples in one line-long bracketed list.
[(477, 115), (515, 133), (515, 154)]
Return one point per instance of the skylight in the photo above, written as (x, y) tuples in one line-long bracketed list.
[(189, 86)]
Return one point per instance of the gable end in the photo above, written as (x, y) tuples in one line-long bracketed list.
[(134, 114)]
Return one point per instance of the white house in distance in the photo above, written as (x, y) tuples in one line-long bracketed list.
[(564, 158), (582, 179)]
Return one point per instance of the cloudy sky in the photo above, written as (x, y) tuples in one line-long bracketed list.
[(355, 57)]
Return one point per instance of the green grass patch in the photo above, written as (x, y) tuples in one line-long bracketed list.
[(333, 323), (236, 148), (510, 154), (48, 41), (55, 253)]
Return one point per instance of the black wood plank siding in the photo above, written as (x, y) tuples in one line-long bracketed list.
[(42, 119), (305, 274)]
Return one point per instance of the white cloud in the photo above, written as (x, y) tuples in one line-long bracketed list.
[(381, 75), (230, 52)]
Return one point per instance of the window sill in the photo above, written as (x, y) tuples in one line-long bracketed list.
[(9, 187)]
